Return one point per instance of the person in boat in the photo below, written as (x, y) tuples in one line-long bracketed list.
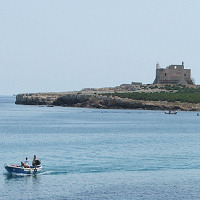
[(35, 161), (26, 163)]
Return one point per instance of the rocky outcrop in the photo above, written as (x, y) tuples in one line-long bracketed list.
[(77, 99), (37, 98)]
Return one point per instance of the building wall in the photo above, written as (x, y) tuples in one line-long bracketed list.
[(174, 74), (187, 77)]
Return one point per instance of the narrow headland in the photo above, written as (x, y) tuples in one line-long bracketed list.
[(172, 89), (125, 96)]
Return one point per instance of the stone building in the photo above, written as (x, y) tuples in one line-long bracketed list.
[(173, 74)]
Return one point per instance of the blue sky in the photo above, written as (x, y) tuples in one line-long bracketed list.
[(65, 45)]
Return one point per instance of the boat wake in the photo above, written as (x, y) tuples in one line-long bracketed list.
[(53, 172)]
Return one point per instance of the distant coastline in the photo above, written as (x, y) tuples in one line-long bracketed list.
[(125, 96)]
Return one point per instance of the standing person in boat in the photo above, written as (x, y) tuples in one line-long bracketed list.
[(35, 161), (26, 162)]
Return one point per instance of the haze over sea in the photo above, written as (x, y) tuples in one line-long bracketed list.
[(100, 154)]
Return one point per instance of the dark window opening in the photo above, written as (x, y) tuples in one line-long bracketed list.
[(165, 74)]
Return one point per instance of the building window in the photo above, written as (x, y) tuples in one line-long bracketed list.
[(185, 74), (165, 74)]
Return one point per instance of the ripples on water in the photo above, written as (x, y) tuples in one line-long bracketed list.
[(100, 154)]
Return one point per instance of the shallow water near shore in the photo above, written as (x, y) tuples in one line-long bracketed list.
[(100, 154)]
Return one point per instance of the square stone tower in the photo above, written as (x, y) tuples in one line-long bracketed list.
[(173, 74)]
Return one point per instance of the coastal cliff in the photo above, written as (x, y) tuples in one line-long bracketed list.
[(105, 98)]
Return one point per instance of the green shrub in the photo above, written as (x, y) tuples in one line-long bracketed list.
[(192, 97)]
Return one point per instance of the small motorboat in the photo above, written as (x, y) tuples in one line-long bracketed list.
[(171, 112), (16, 169)]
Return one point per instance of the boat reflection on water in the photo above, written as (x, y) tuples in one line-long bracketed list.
[(22, 179)]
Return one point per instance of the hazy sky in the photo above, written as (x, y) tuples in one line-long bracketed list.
[(64, 45)]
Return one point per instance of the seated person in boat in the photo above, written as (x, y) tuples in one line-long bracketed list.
[(22, 164), (35, 161), (25, 163)]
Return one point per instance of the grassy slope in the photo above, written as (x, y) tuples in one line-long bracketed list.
[(172, 93)]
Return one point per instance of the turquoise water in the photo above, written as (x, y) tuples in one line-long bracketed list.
[(100, 154)]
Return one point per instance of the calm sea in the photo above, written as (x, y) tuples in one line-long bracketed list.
[(100, 154)]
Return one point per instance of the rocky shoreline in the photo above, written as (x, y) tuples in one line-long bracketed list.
[(96, 98)]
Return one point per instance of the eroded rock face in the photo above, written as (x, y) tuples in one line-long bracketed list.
[(100, 101), (27, 99), (71, 99), (37, 98)]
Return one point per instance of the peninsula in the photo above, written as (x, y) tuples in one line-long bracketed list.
[(173, 89), (125, 96)]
